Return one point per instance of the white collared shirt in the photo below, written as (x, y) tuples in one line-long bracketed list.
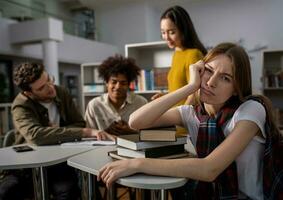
[(100, 113)]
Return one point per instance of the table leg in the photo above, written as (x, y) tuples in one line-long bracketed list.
[(163, 194), (111, 193), (90, 186), (40, 183), (159, 194)]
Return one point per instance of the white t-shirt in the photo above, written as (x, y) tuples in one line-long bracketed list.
[(250, 161), (53, 113)]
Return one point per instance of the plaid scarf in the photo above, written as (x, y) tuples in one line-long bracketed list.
[(210, 135)]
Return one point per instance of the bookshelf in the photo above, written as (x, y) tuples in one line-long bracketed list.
[(92, 84), (71, 82), (273, 81), (154, 58)]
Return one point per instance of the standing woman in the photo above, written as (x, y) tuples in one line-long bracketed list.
[(178, 31)]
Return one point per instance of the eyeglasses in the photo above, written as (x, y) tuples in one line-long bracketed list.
[(50, 81)]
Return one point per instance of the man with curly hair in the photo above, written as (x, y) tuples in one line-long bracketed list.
[(118, 103), (45, 114)]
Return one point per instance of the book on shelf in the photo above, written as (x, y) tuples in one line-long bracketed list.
[(160, 78), (158, 134), (94, 88), (273, 79), (133, 142), (151, 79), (151, 152), (114, 155)]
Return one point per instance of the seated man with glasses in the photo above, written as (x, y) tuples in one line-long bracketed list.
[(45, 114)]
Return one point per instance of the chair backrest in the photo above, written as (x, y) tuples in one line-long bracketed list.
[(9, 138)]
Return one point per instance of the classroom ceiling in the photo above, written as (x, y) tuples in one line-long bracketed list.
[(98, 3)]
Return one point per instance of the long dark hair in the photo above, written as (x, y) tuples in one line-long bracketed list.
[(243, 80), (181, 18)]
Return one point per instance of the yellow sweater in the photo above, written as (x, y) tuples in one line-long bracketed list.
[(179, 74)]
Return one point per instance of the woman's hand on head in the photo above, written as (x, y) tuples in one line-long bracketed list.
[(196, 71), (110, 172)]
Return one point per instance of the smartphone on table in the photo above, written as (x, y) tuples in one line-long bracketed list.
[(23, 148)]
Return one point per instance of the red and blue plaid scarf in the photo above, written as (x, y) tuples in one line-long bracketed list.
[(210, 135)]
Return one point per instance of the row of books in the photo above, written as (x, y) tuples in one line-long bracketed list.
[(154, 79), (273, 79), (94, 88), (150, 143)]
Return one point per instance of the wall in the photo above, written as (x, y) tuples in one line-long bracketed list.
[(257, 22), (72, 50), (121, 24)]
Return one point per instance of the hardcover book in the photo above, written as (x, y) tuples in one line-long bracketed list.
[(152, 152), (133, 142), (114, 155), (83, 143), (158, 134)]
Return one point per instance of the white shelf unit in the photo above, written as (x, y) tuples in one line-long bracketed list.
[(149, 55), (272, 81), (88, 78)]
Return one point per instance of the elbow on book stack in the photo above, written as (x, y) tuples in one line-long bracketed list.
[(131, 146), (158, 134)]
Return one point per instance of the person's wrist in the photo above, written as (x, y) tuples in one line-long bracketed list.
[(137, 164)]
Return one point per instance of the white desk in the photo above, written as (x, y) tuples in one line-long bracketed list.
[(43, 156), (93, 160)]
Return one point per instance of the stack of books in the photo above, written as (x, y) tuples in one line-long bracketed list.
[(150, 143)]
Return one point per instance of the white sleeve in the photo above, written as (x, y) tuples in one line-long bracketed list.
[(90, 116), (190, 121), (253, 111)]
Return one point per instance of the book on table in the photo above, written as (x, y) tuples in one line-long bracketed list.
[(151, 152), (133, 142), (114, 155), (88, 142), (158, 134)]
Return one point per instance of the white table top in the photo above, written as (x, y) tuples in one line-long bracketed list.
[(93, 160), (42, 156)]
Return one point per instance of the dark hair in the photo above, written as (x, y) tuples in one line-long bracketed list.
[(243, 80), (118, 64), (181, 18), (27, 73)]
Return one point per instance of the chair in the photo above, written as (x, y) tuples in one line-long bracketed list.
[(9, 138)]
